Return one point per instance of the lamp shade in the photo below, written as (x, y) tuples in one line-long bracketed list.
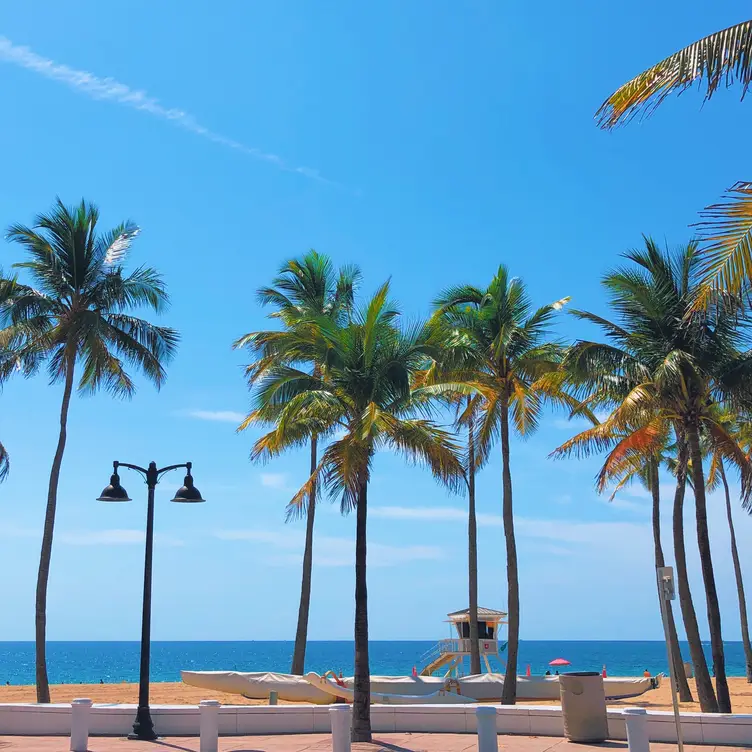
[(114, 492), (188, 493)]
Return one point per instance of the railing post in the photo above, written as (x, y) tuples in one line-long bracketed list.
[(636, 720), (208, 725), (340, 719), (79, 735), (488, 740)]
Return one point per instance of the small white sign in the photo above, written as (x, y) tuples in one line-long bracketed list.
[(666, 578)]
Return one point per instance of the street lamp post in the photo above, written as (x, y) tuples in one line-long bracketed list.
[(143, 726)]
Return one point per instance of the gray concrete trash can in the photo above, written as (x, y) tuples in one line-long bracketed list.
[(583, 705)]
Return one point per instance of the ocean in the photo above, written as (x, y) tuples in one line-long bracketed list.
[(92, 662)]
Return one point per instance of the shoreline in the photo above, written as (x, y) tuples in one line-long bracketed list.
[(177, 693)]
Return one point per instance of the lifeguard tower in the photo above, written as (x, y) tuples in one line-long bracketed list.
[(449, 654)]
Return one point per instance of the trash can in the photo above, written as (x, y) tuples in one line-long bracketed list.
[(688, 670), (583, 705)]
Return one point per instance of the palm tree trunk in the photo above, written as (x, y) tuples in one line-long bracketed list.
[(361, 711), (42, 682), (739, 582), (705, 693), (509, 690), (706, 562), (472, 551), (301, 633), (685, 695)]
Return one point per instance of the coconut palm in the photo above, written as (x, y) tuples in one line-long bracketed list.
[(370, 363), (503, 353), (719, 60), (77, 313), (681, 362), (612, 372), (741, 435), (439, 383), (635, 455), (304, 290), (468, 418)]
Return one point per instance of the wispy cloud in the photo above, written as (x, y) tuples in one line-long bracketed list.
[(331, 551), (433, 514), (114, 538), (561, 531), (274, 480), (114, 91), (222, 416), (627, 505)]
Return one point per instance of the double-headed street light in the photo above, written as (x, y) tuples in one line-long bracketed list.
[(143, 727)]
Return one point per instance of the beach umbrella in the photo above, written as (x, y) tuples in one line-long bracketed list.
[(560, 662)]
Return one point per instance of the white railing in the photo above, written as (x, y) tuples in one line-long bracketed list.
[(462, 645)]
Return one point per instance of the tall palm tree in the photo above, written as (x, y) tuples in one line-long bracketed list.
[(472, 537), (506, 356), (79, 313), (743, 438), (634, 455), (438, 383), (740, 594), (719, 60), (370, 363), (303, 290), (682, 362)]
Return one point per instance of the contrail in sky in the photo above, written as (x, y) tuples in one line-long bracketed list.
[(114, 91)]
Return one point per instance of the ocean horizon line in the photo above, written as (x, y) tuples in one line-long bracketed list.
[(394, 639)]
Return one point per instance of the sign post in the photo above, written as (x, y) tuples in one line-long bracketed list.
[(667, 593)]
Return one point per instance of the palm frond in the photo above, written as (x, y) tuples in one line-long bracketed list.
[(720, 59), (726, 251), (729, 449), (4, 462)]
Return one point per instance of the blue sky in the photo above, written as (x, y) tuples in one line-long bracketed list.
[(427, 142)]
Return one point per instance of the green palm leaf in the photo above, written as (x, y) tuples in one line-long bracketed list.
[(720, 59)]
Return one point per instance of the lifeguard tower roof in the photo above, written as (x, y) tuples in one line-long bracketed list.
[(484, 614)]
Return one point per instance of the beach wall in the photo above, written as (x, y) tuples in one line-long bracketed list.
[(183, 720)]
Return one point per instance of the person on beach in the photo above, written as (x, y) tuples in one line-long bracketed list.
[(646, 674)]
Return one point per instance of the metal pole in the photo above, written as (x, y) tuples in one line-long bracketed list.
[(664, 588), (143, 726)]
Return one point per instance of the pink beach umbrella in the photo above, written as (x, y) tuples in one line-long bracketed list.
[(560, 662)]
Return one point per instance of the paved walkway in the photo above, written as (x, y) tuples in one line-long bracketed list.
[(322, 743)]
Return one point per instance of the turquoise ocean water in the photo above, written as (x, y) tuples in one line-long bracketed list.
[(90, 662)]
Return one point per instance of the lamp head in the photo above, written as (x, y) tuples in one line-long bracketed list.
[(114, 492), (188, 493)]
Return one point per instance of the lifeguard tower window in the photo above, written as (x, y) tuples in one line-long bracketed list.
[(485, 630)]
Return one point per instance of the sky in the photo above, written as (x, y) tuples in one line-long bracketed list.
[(427, 142)]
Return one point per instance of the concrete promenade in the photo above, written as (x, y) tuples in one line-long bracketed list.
[(415, 742)]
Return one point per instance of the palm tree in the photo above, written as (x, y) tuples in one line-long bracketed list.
[(634, 455), (681, 363), (370, 363), (78, 312), (718, 60), (438, 383), (741, 597), (472, 538), (304, 290), (743, 438), (505, 357)]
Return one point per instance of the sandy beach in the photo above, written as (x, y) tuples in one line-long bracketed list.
[(176, 693)]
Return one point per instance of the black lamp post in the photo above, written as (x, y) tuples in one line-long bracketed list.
[(143, 727)]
